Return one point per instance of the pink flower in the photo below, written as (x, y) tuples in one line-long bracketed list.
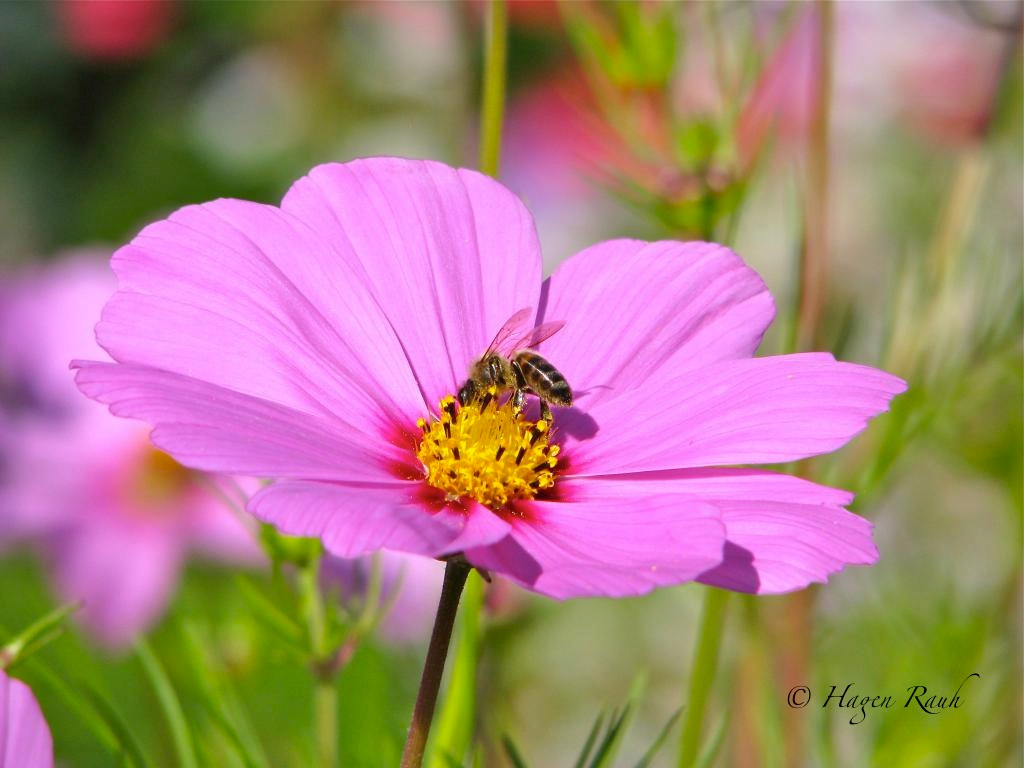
[(320, 343), (24, 736), (114, 518)]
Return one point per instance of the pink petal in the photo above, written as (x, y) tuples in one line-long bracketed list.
[(607, 541), (354, 520), (450, 254), (247, 297), (755, 411), (215, 429), (24, 736), (782, 532), (123, 572), (631, 307)]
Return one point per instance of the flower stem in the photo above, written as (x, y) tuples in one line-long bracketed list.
[(705, 660), (814, 255), (493, 107), (454, 730), (455, 574), (325, 692)]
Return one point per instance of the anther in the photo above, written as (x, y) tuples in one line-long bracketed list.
[(519, 456), (498, 454)]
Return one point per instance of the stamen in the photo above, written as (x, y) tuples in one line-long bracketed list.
[(466, 451)]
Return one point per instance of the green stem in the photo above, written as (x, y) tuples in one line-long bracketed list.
[(493, 107), (325, 712), (325, 691), (814, 255), (705, 661), (455, 574), (454, 730)]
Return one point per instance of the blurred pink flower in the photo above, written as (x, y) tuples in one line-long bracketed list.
[(114, 517), (115, 29), (927, 65), (786, 92), (320, 343), (25, 740)]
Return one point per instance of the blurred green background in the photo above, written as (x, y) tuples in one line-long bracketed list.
[(622, 120)]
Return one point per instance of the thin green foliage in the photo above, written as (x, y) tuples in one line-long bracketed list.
[(131, 752), (181, 734), (512, 753), (659, 740), (219, 700)]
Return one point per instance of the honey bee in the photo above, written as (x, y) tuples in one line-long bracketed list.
[(509, 365)]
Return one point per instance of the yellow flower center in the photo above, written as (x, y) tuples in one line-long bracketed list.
[(158, 482), (487, 451)]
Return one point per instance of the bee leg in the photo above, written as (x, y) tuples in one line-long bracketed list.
[(518, 399), (545, 412)]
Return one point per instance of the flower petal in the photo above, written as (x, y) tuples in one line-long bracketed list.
[(354, 520), (208, 427), (451, 254), (607, 541), (756, 411), (250, 298), (782, 532), (631, 307), (25, 738)]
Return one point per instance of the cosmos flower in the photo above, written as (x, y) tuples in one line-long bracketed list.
[(113, 517), (24, 736), (322, 343)]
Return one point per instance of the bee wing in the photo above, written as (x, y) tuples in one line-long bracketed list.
[(537, 334), (516, 333), (510, 332)]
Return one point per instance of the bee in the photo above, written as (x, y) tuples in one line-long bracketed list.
[(509, 364)]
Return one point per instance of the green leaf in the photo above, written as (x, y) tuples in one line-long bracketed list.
[(709, 754), (78, 703), (169, 703), (513, 754), (659, 741), (610, 743), (588, 745), (45, 630), (220, 702), (284, 627), (113, 721)]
